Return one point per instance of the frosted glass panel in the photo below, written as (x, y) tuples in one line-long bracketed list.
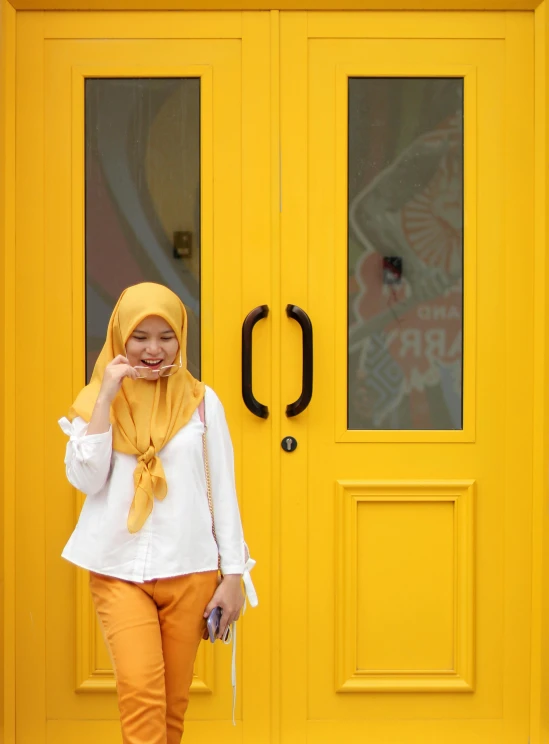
[(405, 353), (142, 197)]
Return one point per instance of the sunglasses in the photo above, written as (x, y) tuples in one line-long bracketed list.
[(146, 373)]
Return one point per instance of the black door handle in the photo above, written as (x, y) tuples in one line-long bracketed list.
[(295, 312), (253, 405)]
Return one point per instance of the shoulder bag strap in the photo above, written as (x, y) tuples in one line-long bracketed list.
[(201, 413)]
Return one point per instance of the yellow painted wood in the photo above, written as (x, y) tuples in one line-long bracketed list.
[(433, 652), (294, 260), (496, 451), (235, 159), (30, 486), (62, 732), (461, 731), (7, 378), (406, 25), (540, 518), (256, 466), (190, 25), (175, 59), (288, 689), (431, 5), (519, 321), (275, 404)]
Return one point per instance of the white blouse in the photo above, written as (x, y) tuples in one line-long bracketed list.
[(177, 537)]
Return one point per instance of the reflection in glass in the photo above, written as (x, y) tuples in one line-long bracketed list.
[(142, 197), (405, 253)]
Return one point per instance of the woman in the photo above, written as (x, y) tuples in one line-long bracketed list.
[(145, 531)]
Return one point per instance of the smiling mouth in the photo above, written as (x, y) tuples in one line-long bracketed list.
[(152, 363)]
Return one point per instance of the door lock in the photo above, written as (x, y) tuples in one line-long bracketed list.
[(289, 444)]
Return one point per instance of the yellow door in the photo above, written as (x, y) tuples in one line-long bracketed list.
[(142, 141), (406, 236), (367, 176)]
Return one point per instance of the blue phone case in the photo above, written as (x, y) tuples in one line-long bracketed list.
[(213, 622)]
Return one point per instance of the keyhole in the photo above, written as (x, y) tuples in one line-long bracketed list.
[(289, 444)]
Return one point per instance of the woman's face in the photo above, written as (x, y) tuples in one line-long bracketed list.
[(152, 344)]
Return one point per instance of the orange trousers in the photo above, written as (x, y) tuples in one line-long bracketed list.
[(153, 631)]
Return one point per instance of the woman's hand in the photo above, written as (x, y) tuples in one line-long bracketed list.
[(113, 375), (230, 597)]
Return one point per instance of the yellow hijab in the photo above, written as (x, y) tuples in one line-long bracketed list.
[(145, 414)]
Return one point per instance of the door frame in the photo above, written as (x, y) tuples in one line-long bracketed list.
[(9, 12)]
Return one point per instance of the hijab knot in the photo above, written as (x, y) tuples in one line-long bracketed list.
[(147, 456)]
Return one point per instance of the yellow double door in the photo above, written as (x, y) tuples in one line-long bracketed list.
[(368, 178)]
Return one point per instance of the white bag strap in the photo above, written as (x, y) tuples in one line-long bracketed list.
[(201, 413), (249, 562), (232, 635)]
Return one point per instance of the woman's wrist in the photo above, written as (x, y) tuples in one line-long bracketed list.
[(100, 418)]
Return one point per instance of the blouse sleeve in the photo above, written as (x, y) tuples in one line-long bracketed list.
[(233, 550), (87, 458)]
